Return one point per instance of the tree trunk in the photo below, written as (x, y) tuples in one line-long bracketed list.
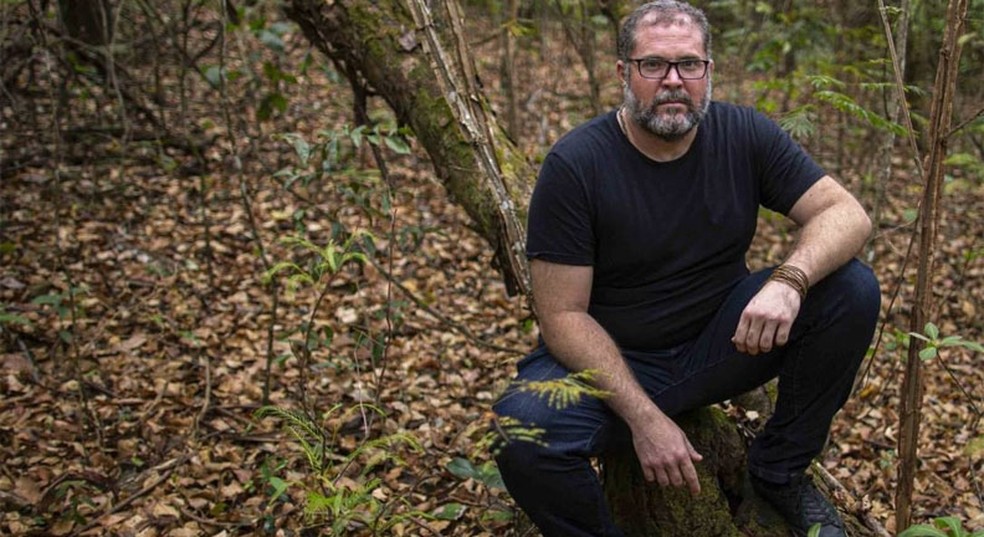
[(417, 60), (88, 22), (510, 85), (941, 116)]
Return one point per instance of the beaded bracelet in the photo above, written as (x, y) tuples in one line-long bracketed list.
[(792, 276)]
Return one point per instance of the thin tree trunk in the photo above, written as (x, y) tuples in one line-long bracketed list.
[(938, 137), (582, 39), (896, 102), (508, 70), (87, 21)]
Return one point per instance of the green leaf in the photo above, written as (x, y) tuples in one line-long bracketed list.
[(450, 511), (489, 476), (271, 102), (356, 135), (279, 487), (922, 530), (814, 531), (13, 318), (972, 345), (949, 341), (398, 145), (950, 523), (301, 147), (975, 448), (928, 353), (932, 331), (214, 76), (272, 41), (462, 468), (48, 300), (910, 215), (498, 515)]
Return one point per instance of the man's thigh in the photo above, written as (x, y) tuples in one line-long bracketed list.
[(710, 368), (583, 427)]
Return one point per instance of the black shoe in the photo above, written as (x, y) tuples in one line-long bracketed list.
[(801, 505)]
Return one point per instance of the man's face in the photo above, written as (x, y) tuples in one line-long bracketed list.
[(668, 107)]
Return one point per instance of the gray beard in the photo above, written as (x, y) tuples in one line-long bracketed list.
[(667, 127)]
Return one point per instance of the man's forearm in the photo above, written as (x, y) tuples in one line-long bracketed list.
[(829, 240), (580, 343)]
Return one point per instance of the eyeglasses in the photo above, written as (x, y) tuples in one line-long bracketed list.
[(656, 68)]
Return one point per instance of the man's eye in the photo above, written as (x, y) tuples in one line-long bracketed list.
[(652, 65), (690, 65)]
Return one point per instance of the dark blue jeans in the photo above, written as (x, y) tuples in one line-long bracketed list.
[(554, 482)]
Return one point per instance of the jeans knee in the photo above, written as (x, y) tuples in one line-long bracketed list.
[(859, 290)]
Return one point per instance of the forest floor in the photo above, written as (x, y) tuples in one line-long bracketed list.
[(140, 331)]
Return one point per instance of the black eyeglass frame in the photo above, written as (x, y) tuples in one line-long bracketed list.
[(671, 65)]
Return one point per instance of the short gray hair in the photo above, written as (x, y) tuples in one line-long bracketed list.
[(666, 11)]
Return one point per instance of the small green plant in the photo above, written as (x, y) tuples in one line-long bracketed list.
[(946, 526), (11, 318), (340, 494), (331, 152), (66, 305), (324, 261), (931, 335)]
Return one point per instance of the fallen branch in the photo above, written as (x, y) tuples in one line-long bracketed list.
[(858, 510)]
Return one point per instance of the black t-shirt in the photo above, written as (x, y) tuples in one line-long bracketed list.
[(667, 240)]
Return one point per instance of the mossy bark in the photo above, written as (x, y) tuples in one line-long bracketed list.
[(726, 506), (722, 508)]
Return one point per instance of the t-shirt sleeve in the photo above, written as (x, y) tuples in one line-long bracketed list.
[(787, 171), (559, 227)]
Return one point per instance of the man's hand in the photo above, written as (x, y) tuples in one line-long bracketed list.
[(767, 319), (665, 453)]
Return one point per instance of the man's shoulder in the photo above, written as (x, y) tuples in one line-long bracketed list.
[(733, 123), (730, 114), (596, 134)]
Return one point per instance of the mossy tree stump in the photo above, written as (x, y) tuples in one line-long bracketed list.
[(725, 507)]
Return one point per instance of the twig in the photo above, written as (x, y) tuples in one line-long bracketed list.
[(864, 516), (186, 512), (362, 117), (208, 391), (968, 121), (170, 467), (462, 329), (970, 398)]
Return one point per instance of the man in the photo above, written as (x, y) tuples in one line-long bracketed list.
[(638, 230)]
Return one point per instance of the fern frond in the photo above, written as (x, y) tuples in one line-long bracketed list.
[(567, 391)]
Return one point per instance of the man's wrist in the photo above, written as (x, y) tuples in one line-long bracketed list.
[(792, 276)]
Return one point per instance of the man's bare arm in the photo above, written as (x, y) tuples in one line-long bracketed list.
[(834, 227), (562, 294)]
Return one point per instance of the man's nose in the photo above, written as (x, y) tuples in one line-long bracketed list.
[(672, 77)]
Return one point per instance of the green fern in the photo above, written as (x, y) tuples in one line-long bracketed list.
[(338, 494), (567, 391)]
